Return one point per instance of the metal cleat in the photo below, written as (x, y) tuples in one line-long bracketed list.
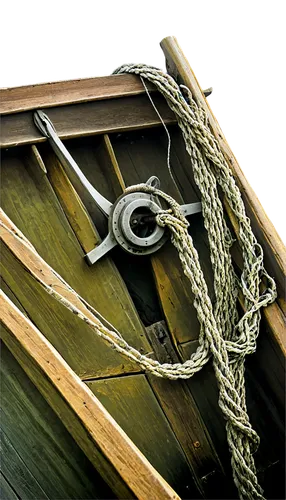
[(131, 219)]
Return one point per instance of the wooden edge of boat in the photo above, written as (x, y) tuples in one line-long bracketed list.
[(81, 412), (274, 249), (46, 95)]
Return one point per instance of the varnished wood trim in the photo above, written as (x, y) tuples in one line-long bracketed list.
[(26, 342), (19, 99)]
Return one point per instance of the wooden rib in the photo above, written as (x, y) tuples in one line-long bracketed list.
[(36, 159), (77, 120), (274, 250), (46, 367), (18, 99), (115, 167)]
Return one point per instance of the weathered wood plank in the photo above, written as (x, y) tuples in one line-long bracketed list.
[(6, 491), (118, 183), (39, 457), (36, 210), (18, 99), (17, 473), (72, 205), (132, 403), (4, 287), (77, 120), (274, 250), (91, 426)]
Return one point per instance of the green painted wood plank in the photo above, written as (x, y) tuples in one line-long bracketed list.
[(11, 295), (30, 202), (6, 492), (132, 403), (41, 441), (17, 473)]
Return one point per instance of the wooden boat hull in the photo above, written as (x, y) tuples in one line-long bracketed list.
[(117, 139)]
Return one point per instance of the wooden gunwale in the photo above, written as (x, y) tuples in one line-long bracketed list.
[(274, 249), (47, 370), (46, 95)]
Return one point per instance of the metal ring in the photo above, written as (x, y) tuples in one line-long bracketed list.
[(126, 214)]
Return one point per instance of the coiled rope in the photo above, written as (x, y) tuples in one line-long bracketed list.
[(223, 336)]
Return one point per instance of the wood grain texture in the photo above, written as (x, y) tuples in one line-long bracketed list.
[(39, 457), (72, 205), (131, 401), (274, 250), (6, 490), (47, 368), (146, 398), (38, 213), (17, 472), (19, 99), (77, 120)]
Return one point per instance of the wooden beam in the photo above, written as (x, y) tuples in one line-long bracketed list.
[(77, 120), (19, 99), (46, 368), (274, 250), (38, 268)]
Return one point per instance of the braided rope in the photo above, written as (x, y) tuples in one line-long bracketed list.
[(228, 338), (223, 335)]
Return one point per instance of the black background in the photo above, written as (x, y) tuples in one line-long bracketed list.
[(246, 91)]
